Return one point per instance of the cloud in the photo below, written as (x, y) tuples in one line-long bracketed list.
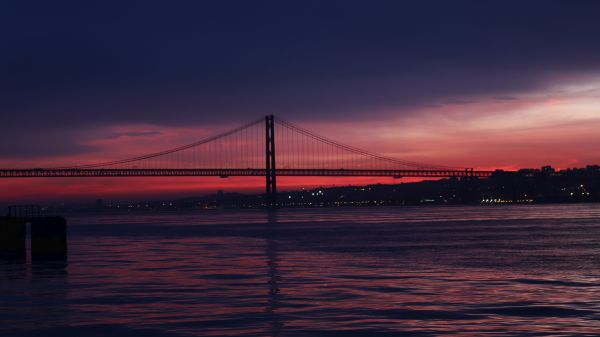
[(133, 134), (33, 142), (505, 98), (459, 101), (70, 70)]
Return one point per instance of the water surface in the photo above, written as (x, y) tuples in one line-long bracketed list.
[(388, 271)]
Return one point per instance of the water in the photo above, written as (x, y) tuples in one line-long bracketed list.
[(388, 271)]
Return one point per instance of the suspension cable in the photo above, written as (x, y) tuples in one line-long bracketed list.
[(360, 151), (166, 152)]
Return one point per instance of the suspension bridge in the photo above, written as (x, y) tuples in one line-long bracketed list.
[(268, 147)]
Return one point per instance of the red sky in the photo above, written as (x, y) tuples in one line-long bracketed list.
[(503, 84), (557, 126)]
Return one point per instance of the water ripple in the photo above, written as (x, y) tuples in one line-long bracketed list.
[(390, 271)]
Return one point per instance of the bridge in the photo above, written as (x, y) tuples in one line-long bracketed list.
[(268, 147)]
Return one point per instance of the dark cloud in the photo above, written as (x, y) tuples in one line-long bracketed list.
[(82, 65), (133, 134), (459, 101), (23, 142), (505, 98)]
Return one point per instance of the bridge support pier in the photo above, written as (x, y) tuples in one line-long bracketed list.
[(270, 172)]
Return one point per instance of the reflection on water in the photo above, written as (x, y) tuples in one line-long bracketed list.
[(272, 309), (33, 295), (429, 271)]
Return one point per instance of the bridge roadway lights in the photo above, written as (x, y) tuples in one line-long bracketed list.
[(222, 172)]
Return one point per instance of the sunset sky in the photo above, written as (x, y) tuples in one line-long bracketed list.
[(483, 84)]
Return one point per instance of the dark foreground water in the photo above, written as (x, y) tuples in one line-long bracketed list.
[(424, 271)]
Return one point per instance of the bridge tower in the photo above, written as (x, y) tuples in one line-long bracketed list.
[(270, 172)]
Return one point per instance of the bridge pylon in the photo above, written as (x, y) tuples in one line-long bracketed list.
[(270, 170)]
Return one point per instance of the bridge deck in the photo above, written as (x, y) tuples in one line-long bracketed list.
[(65, 173)]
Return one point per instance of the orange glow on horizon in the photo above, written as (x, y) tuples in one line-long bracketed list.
[(147, 188)]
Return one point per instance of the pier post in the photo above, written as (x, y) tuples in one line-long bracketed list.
[(48, 238), (12, 237)]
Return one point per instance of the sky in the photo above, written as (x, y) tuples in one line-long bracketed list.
[(483, 84)]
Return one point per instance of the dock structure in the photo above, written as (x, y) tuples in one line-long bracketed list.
[(48, 234), (12, 237)]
